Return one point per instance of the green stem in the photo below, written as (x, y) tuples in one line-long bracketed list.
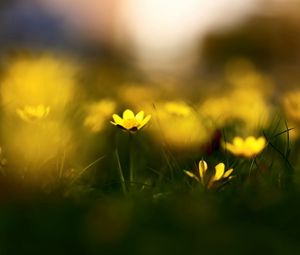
[(122, 179), (251, 166), (131, 161)]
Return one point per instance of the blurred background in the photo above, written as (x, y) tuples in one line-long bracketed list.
[(157, 36)]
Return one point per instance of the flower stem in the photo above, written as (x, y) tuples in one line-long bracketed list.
[(131, 161), (122, 179)]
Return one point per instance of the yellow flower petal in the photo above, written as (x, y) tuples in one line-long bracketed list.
[(128, 114), (220, 168), (33, 113), (144, 121), (29, 110), (250, 141), (190, 174), (140, 116), (232, 148), (117, 119), (228, 173), (130, 124), (40, 110), (21, 114), (248, 147), (202, 168), (238, 141), (260, 144)]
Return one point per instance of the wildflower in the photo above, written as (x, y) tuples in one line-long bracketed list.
[(248, 147), (98, 113), (130, 122), (291, 105), (210, 181), (33, 87), (291, 108), (178, 109), (33, 113), (221, 111), (187, 131), (45, 78), (144, 94)]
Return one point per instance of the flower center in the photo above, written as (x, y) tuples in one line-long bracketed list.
[(130, 123)]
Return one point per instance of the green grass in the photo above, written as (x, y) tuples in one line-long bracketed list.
[(100, 209)]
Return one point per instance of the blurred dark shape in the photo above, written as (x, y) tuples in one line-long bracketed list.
[(214, 144), (265, 40), (25, 24)]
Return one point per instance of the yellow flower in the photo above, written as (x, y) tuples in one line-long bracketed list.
[(246, 87), (46, 78), (179, 126), (178, 108), (248, 147), (130, 122), (98, 113), (291, 105), (210, 181), (33, 113)]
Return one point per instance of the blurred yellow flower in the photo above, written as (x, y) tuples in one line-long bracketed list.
[(33, 113), (179, 125), (31, 87), (129, 121), (241, 72), (143, 93), (248, 147), (210, 181), (246, 106), (178, 108), (291, 108), (98, 113), (291, 104), (245, 99), (30, 80)]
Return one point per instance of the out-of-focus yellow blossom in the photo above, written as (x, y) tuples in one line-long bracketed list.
[(179, 125), (244, 100), (208, 180), (247, 106), (241, 73), (33, 145), (249, 147), (291, 108), (291, 105), (98, 113), (33, 113), (32, 80), (138, 95), (28, 82), (129, 121), (178, 108)]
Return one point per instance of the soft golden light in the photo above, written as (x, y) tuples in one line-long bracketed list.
[(179, 125), (98, 113), (37, 92)]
